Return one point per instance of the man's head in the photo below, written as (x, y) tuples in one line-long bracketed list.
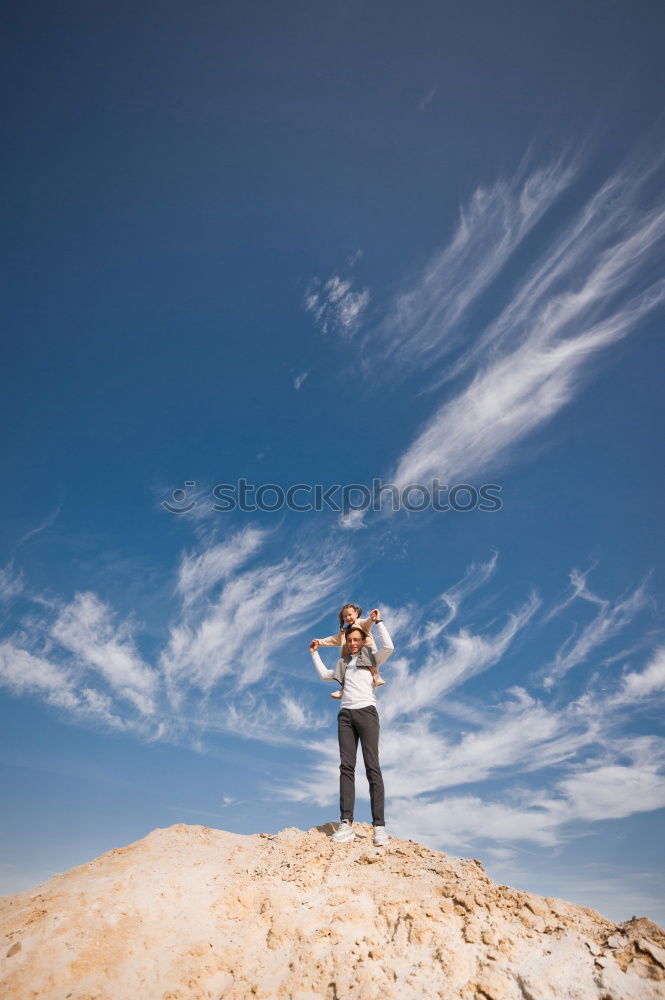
[(355, 640)]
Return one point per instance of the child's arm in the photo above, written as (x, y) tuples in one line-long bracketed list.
[(322, 671), (331, 640), (366, 623)]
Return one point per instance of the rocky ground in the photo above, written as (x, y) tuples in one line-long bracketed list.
[(191, 913)]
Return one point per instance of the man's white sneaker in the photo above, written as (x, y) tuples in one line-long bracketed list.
[(380, 836), (344, 833)]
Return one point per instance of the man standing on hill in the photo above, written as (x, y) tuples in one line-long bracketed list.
[(358, 719)]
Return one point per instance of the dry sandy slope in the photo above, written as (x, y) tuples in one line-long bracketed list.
[(191, 913)]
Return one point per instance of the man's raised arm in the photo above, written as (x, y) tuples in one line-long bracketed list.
[(383, 641), (322, 671)]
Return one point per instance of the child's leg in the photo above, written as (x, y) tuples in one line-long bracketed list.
[(376, 678)]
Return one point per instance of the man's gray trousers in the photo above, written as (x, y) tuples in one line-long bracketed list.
[(362, 724)]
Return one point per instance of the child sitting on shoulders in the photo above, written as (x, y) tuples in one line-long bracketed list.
[(349, 617)]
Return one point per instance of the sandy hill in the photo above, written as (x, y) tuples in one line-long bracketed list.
[(190, 913)]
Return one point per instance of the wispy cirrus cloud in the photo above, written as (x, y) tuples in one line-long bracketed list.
[(336, 306), (609, 237), (421, 323), (235, 633), (510, 399), (46, 523), (611, 618), (542, 817), (520, 734), (578, 588), (11, 582), (591, 288), (415, 625), (85, 628), (463, 655), (642, 685), (24, 673), (427, 99), (457, 821), (236, 610), (278, 720), (200, 572), (475, 576), (618, 787)]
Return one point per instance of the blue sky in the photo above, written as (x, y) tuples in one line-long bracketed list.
[(296, 244)]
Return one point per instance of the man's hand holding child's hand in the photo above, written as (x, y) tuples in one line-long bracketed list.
[(375, 615), (314, 645)]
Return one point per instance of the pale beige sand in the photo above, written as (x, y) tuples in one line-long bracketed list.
[(190, 913)]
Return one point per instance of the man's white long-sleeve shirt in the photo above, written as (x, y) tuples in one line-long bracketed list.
[(358, 686)]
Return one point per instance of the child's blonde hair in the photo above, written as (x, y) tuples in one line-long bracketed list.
[(358, 610)]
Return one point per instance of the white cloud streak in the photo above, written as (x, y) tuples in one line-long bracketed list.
[(578, 588), (519, 735), (11, 583), (536, 353), (336, 306), (275, 721), (24, 673), (236, 634), (609, 621), (464, 656), (46, 523), (233, 622), (85, 628), (475, 576), (638, 686), (427, 99), (415, 625), (615, 790), (590, 795), (509, 400), (198, 574), (421, 323)]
